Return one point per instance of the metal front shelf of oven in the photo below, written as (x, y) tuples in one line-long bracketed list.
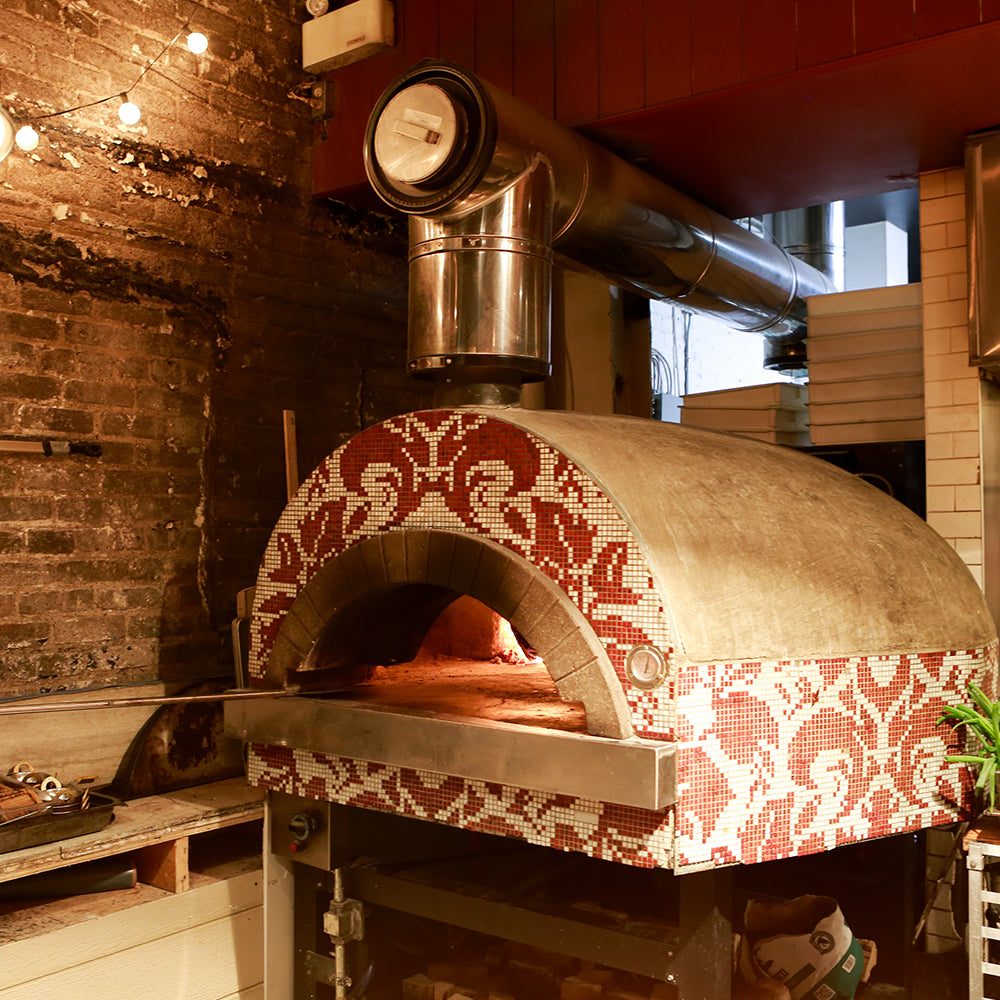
[(632, 772)]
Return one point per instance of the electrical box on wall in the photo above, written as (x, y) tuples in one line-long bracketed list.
[(346, 35)]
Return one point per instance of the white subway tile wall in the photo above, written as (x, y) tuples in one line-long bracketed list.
[(951, 386)]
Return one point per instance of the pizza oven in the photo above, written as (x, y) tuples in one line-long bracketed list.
[(506, 633)]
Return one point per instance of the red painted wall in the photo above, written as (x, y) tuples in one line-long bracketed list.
[(589, 61)]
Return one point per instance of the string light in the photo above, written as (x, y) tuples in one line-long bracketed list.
[(129, 113), (6, 133), (27, 137)]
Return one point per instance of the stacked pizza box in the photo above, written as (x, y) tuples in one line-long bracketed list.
[(866, 366), (776, 412)]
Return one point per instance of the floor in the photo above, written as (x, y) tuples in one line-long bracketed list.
[(935, 977)]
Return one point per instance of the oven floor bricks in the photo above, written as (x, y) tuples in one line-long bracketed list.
[(777, 755)]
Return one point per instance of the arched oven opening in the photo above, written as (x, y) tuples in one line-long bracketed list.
[(428, 620), (467, 661)]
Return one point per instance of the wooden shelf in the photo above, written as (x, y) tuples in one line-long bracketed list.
[(197, 852), (157, 829), (985, 830)]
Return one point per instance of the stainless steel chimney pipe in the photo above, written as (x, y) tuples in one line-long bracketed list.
[(492, 188), (814, 235)]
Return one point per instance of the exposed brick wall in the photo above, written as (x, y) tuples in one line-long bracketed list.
[(951, 386), (167, 290)]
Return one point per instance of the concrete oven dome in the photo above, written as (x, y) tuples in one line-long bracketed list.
[(804, 629)]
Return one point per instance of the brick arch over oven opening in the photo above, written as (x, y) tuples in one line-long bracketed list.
[(374, 603)]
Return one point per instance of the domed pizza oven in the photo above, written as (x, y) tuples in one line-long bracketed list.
[(760, 643), (628, 641)]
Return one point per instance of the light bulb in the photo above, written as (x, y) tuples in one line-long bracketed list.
[(129, 113), (26, 138), (6, 133), (197, 42)]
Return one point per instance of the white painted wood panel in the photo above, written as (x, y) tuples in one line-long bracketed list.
[(205, 962), (206, 944)]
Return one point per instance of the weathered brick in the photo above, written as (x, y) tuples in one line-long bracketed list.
[(143, 626), (118, 453), (26, 325), (99, 393), (11, 541), (16, 508), (165, 401), (124, 598), (58, 420), (81, 571), (188, 296), (89, 629), (133, 369), (87, 510), (15, 635), (59, 361), (29, 386), (52, 301), (45, 542), (19, 355), (109, 336), (137, 482), (51, 602)]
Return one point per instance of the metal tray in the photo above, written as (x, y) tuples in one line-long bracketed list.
[(34, 830)]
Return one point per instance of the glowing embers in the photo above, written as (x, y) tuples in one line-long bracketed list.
[(471, 664)]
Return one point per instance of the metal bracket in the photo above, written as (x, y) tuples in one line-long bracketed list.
[(345, 921), (324, 969), (321, 100)]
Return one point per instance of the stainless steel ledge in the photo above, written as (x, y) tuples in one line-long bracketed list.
[(632, 772)]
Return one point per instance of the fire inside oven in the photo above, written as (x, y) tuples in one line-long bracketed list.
[(704, 651), (470, 662)]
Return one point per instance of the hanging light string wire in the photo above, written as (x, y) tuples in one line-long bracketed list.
[(123, 93)]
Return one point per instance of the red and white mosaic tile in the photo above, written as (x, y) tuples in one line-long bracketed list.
[(774, 758), (616, 833), (463, 471), (794, 757)]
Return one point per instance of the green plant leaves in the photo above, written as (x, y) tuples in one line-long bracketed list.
[(982, 720)]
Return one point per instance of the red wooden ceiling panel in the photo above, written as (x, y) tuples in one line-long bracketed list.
[(850, 127), (457, 32), (768, 38), (717, 45), (534, 54), (879, 25), (345, 131), (856, 127), (667, 31), (420, 31), (825, 32), (577, 51), (935, 17), (388, 65), (495, 42), (621, 72)]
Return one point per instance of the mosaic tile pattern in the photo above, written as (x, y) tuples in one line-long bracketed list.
[(462, 471), (792, 758), (613, 832), (775, 758)]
